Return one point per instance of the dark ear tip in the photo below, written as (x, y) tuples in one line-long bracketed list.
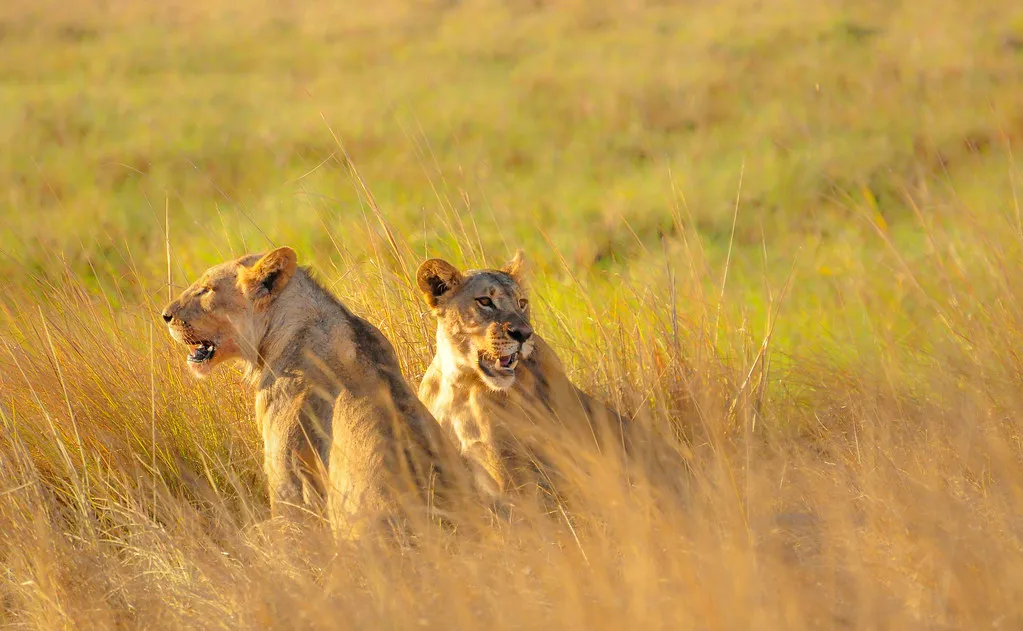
[(287, 253), (430, 265), (436, 268), (516, 266), (424, 273), (424, 268)]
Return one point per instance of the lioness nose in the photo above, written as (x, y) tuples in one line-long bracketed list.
[(167, 317), (520, 333)]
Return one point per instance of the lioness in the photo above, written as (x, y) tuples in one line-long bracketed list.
[(494, 384), (329, 390)]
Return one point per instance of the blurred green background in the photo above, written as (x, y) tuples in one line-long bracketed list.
[(610, 140)]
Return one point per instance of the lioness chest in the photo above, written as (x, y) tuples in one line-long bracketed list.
[(472, 413), (459, 410)]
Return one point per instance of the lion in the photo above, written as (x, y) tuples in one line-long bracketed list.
[(339, 422), (496, 387)]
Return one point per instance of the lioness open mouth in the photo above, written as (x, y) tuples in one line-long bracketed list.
[(503, 365), (202, 353)]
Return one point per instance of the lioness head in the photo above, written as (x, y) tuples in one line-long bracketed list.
[(217, 316), (483, 314)]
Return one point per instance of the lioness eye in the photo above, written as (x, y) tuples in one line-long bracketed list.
[(485, 302), (203, 291), (523, 303)]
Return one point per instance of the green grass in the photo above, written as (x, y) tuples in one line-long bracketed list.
[(589, 130), (588, 122), (785, 234)]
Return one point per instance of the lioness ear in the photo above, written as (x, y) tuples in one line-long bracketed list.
[(436, 278), (516, 268), (262, 282)]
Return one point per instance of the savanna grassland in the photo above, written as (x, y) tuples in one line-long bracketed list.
[(783, 236)]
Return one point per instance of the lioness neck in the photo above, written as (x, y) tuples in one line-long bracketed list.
[(297, 318), (449, 360)]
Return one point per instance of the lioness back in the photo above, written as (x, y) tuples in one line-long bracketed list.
[(391, 462)]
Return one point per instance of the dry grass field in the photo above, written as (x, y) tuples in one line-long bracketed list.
[(784, 237)]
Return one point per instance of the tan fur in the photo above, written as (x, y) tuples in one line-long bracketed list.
[(330, 396), (499, 418)]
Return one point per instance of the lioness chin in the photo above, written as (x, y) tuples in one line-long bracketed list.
[(330, 396), (497, 388)]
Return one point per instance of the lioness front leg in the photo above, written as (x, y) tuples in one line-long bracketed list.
[(488, 471), (294, 472), (295, 448), (283, 480)]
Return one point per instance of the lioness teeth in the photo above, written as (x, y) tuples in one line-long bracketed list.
[(201, 352), (508, 361)]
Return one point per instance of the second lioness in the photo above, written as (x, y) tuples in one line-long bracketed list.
[(495, 385), (329, 391)]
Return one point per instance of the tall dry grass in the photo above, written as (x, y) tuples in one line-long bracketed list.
[(881, 489)]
